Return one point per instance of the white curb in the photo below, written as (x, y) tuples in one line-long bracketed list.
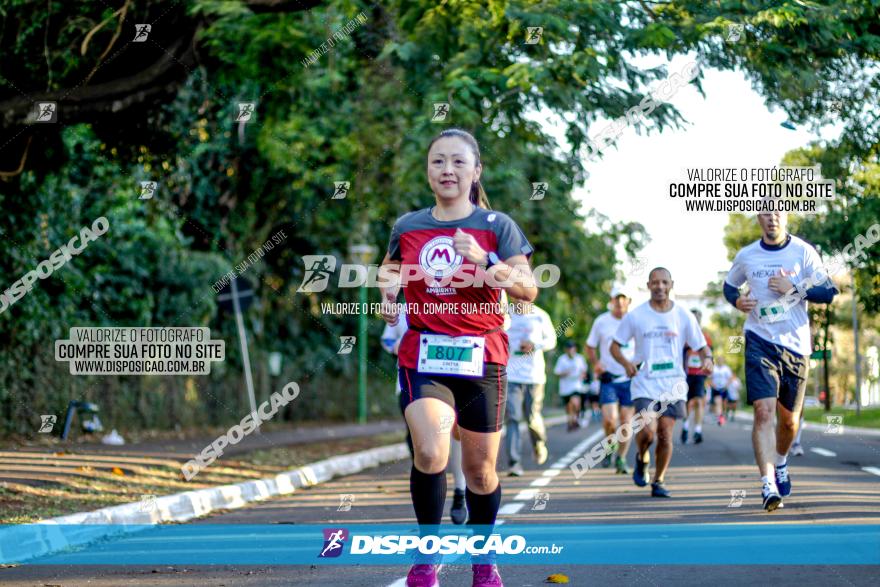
[(42, 538)]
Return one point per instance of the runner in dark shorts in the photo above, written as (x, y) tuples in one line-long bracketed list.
[(452, 361), (590, 399), (696, 382), (783, 272), (661, 329), (614, 385)]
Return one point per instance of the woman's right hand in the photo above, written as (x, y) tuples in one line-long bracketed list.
[(390, 309)]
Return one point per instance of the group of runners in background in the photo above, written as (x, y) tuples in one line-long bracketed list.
[(464, 377)]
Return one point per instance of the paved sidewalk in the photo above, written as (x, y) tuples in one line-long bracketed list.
[(38, 463)]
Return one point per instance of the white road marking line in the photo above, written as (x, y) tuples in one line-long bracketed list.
[(551, 473), (558, 465), (525, 494), (823, 451), (874, 470), (510, 508), (540, 482)]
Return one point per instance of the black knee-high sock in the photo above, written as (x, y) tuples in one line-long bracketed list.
[(483, 509), (428, 492)]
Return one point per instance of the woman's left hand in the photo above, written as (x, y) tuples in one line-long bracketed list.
[(468, 247)]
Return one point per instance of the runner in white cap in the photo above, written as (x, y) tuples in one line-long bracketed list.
[(614, 384)]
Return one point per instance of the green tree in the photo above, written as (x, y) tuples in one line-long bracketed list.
[(361, 112)]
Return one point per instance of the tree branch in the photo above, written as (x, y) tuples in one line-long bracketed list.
[(8, 174), (120, 94)]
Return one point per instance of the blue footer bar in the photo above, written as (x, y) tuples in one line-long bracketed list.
[(525, 544)]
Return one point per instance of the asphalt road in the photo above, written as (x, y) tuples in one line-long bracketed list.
[(836, 482)]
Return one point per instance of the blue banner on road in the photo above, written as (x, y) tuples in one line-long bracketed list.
[(523, 544)]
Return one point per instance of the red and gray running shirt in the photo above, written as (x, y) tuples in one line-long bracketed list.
[(692, 361), (424, 247)]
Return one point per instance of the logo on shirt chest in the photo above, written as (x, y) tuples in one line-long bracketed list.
[(774, 271), (667, 334), (438, 258)]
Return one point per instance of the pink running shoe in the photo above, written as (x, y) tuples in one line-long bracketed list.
[(486, 576), (424, 576)]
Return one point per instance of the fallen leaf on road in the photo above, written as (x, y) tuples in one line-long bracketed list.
[(557, 578), (118, 471)]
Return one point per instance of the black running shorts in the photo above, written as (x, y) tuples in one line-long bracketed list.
[(774, 371), (696, 386), (722, 393), (479, 402), (675, 410)]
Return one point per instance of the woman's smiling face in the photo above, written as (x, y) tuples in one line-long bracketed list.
[(452, 168)]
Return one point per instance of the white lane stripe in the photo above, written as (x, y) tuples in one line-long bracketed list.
[(581, 447), (874, 470), (558, 465), (824, 452), (540, 482), (525, 494), (510, 508), (551, 473)]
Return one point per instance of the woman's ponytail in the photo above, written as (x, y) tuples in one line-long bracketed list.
[(478, 196)]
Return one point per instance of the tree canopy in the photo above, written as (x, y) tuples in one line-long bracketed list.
[(356, 107)]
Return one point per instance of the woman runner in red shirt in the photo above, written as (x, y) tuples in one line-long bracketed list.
[(453, 260)]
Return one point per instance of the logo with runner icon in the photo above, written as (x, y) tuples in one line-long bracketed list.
[(541, 500), (334, 540), (446, 422), (47, 423), (318, 269), (736, 498), (346, 345), (834, 425), (345, 502), (735, 344)]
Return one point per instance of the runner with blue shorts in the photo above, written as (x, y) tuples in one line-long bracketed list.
[(613, 381), (780, 270)]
